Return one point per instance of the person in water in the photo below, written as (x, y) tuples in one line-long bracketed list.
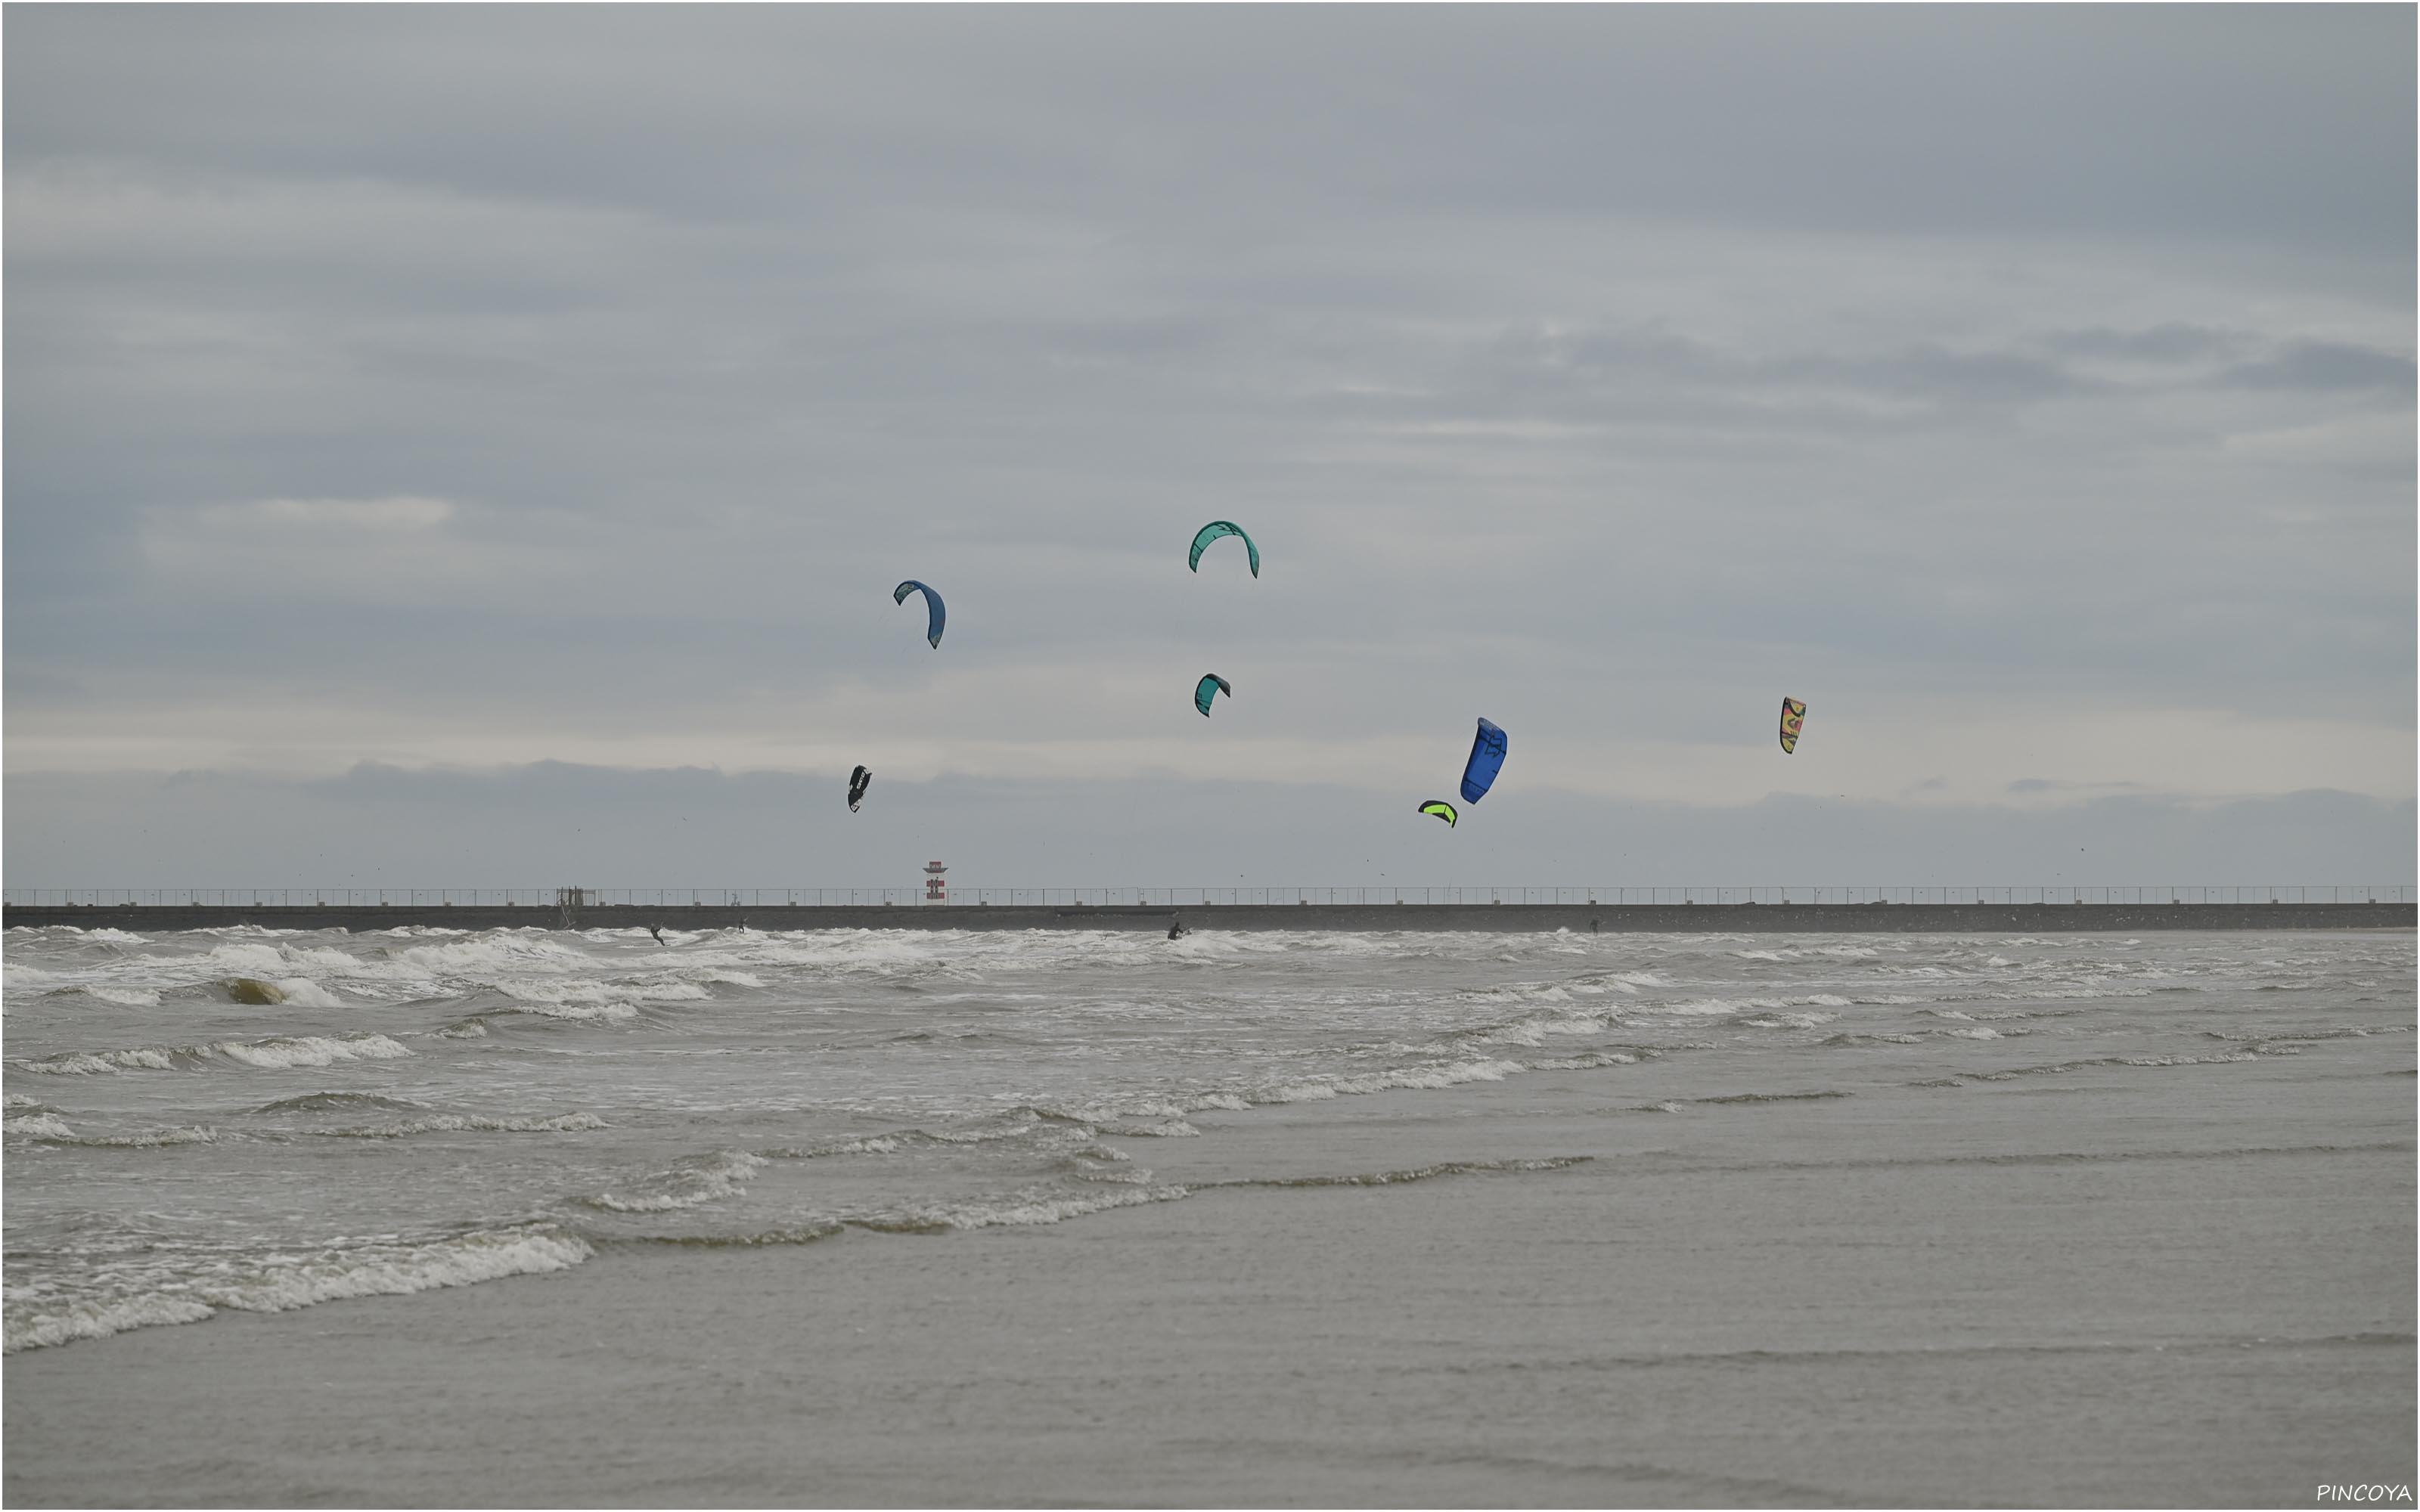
[(1176, 929), (658, 931)]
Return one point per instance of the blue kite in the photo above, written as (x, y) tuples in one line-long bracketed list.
[(934, 615), (1486, 760)]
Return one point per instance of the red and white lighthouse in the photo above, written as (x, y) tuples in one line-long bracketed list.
[(935, 890)]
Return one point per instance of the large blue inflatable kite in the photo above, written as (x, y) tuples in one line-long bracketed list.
[(1486, 760)]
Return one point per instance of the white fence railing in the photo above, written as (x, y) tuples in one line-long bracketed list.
[(966, 897)]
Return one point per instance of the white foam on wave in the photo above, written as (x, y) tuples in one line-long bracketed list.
[(1714, 1007), (1409, 1078), (722, 1174), (1593, 1060), (1024, 1123), (1784, 1020), (1534, 1030), (122, 996), (1707, 1007), (279, 1283), (308, 1050), (1537, 992), (501, 950), (1627, 984), (35, 1126), (98, 1318), (186, 1134), (96, 1063), (1132, 1129), (1803, 952), (1029, 1208), (304, 993), (277, 1053), (469, 1123), (918, 952), (617, 999), (609, 1011), (104, 933), (2235, 1058), (253, 958), (423, 961)]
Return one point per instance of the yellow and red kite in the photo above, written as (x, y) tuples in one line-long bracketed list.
[(1794, 719)]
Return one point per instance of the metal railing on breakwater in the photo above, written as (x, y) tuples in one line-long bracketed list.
[(549, 898)]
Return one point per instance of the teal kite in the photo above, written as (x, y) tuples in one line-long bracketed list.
[(1216, 528), (1211, 685), (934, 613)]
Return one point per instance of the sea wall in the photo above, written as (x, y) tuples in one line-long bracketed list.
[(1853, 919)]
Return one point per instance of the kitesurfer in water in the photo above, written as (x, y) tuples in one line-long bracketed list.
[(1176, 929), (658, 931)]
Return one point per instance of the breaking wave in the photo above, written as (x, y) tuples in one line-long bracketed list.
[(36, 1317), (278, 1053)]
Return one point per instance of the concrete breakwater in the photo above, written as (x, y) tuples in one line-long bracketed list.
[(1580, 918)]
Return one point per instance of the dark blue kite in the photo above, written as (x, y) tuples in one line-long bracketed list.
[(1486, 760)]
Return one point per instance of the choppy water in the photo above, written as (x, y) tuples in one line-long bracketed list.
[(432, 1108)]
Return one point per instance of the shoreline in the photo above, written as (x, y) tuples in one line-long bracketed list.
[(1899, 1296), (1579, 919)]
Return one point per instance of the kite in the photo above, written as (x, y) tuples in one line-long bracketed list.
[(1442, 810), (858, 780), (1215, 529), (1211, 685), (1486, 760), (1793, 717), (935, 613)]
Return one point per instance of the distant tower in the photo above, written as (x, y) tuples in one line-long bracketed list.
[(935, 890)]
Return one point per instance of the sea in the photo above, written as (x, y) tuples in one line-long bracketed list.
[(254, 1121)]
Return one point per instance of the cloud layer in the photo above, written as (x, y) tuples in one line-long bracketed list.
[(2029, 391), (556, 824)]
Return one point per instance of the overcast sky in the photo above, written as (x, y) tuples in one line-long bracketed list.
[(472, 445)]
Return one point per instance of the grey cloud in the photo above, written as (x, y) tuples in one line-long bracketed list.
[(553, 824), (1648, 352), (2040, 784), (2247, 122), (1932, 373), (2324, 365), (2172, 342), (1650, 371)]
